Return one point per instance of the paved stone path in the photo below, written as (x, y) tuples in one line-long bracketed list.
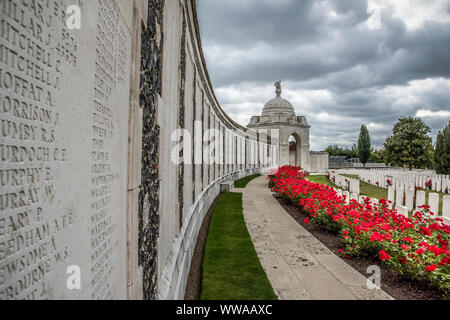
[(298, 265)]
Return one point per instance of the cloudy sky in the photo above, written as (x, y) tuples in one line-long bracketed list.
[(339, 64)]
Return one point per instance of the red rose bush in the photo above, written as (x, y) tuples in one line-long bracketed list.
[(417, 246)]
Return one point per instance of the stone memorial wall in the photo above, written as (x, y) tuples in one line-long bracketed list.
[(92, 204), (64, 120)]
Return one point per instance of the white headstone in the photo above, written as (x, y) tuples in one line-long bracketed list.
[(446, 221), (354, 186), (402, 210), (446, 206), (374, 202), (399, 196), (420, 198), (433, 202), (391, 195), (354, 196), (361, 199), (346, 194), (409, 202)]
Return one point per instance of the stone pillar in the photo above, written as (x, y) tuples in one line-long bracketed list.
[(284, 153), (305, 157), (135, 289)]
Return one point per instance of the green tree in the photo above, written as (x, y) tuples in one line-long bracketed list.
[(376, 156), (339, 151), (442, 151), (409, 146), (353, 151), (364, 146)]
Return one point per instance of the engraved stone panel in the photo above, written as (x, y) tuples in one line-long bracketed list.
[(64, 97)]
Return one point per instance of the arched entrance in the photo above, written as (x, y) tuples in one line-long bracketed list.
[(295, 150), (279, 114)]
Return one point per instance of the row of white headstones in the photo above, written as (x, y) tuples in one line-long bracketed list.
[(403, 179), (400, 199), (346, 183), (401, 209)]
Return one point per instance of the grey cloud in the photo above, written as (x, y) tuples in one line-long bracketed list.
[(256, 42), (242, 23)]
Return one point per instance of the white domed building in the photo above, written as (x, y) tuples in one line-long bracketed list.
[(279, 119)]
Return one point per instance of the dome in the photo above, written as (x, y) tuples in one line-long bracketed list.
[(278, 104)]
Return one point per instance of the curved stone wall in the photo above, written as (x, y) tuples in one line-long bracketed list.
[(188, 188), (112, 149)]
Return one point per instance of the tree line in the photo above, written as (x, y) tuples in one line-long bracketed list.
[(409, 146)]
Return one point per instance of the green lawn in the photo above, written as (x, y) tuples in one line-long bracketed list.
[(242, 183), (320, 179), (352, 176), (231, 268)]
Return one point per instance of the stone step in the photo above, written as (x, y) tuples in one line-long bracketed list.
[(226, 186)]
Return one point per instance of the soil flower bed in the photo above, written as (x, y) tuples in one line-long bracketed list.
[(416, 247)]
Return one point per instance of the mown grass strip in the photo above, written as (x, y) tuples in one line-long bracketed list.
[(242, 183), (231, 268)]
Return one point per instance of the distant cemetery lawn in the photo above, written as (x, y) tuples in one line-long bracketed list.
[(427, 192), (322, 179), (242, 183), (373, 191), (231, 268), (366, 189)]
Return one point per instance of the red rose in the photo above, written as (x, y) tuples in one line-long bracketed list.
[(384, 256), (408, 239), (431, 268)]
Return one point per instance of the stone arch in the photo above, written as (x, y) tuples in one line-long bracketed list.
[(295, 156)]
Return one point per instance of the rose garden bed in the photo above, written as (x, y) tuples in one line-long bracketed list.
[(412, 253)]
